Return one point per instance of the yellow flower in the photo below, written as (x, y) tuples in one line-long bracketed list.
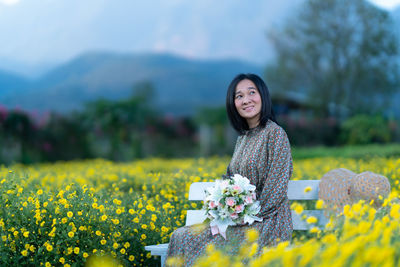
[(62, 260), (163, 229), (117, 202), (143, 236), (103, 242), (131, 211), (95, 205), (122, 251), (64, 220), (131, 258), (136, 220), (67, 265), (118, 211), (116, 221), (85, 255), (70, 214), (115, 245), (311, 220), (253, 249), (24, 253), (299, 209), (320, 204), (49, 247), (71, 234), (330, 238), (144, 226), (104, 217), (76, 250), (48, 264), (39, 192), (127, 245), (395, 211), (98, 233), (26, 234), (252, 235), (307, 189)]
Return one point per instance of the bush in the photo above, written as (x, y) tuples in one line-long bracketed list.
[(364, 129)]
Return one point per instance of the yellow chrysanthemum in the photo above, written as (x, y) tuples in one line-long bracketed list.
[(311, 220), (49, 247)]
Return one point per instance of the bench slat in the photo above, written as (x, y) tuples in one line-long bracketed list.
[(157, 250), (295, 190), (198, 216)]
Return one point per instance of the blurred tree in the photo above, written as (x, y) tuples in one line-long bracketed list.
[(63, 138), (341, 53), (18, 128), (215, 134), (122, 122)]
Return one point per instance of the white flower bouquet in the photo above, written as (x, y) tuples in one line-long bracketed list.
[(231, 202)]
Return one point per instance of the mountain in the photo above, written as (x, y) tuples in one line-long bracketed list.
[(11, 84), (181, 85)]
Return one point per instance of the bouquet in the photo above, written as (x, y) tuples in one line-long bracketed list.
[(231, 202)]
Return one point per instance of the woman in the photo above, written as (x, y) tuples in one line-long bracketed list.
[(262, 154)]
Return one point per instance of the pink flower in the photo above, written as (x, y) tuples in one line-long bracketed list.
[(237, 188), (212, 204), (239, 208), (248, 199), (234, 216), (230, 201), (254, 195)]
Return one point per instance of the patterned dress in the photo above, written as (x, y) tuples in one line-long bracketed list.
[(262, 155)]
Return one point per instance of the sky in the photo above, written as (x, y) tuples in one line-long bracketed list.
[(37, 34), (387, 4)]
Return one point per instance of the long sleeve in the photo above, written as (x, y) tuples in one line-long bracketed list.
[(278, 172)]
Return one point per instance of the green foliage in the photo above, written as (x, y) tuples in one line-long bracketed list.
[(212, 116), (364, 129), (349, 151)]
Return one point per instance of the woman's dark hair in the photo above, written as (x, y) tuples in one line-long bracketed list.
[(238, 122)]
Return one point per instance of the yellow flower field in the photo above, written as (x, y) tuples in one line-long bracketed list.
[(64, 213)]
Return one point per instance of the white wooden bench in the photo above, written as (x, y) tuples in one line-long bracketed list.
[(296, 191)]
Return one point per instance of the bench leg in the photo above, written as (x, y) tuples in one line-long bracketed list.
[(163, 257)]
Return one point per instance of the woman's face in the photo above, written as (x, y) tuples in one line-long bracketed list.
[(248, 102)]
